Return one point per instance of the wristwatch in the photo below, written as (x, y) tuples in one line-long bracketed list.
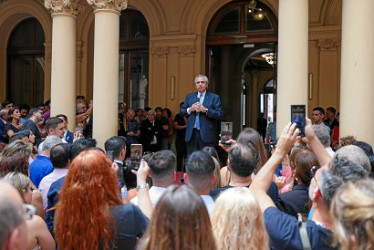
[(141, 186)]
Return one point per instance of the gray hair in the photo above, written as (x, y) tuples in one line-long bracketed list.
[(205, 78), (152, 112), (342, 171), (10, 215), (354, 154), (51, 141), (130, 111), (322, 134)]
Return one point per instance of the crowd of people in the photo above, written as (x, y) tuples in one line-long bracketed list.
[(58, 189)]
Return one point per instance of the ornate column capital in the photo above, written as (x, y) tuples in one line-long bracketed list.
[(160, 51), (328, 44), (117, 5), (186, 50), (72, 7)]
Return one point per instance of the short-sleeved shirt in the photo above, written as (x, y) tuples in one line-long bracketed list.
[(295, 201), (39, 168), (284, 231), (272, 192), (11, 127), (131, 224), (181, 133), (163, 122), (29, 124)]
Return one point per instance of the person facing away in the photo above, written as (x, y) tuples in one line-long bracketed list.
[(162, 166), (179, 207), (42, 164), (13, 228), (352, 211), (237, 221), (283, 229), (203, 109), (200, 176)]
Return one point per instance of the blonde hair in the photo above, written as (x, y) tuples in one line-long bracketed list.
[(19, 181), (217, 172), (17, 146), (237, 221), (352, 211)]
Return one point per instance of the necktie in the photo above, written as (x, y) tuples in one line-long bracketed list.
[(198, 114)]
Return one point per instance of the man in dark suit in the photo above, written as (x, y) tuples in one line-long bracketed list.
[(68, 136), (151, 133), (203, 110), (3, 121), (115, 148)]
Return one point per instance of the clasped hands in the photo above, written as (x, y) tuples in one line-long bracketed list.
[(198, 107)]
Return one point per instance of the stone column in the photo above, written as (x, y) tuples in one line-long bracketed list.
[(106, 68), (357, 74), (63, 75), (292, 58)]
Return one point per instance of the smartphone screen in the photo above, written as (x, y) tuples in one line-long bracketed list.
[(226, 132), (136, 155), (298, 116)]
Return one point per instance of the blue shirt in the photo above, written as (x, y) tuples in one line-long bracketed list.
[(284, 231), (39, 168), (52, 198)]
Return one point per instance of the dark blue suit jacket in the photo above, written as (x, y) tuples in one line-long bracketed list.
[(3, 134), (208, 120), (69, 137)]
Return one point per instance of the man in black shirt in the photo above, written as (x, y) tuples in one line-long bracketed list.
[(180, 143)]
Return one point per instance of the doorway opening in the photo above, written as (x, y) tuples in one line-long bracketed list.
[(241, 59), (133, 59), (25, 78)]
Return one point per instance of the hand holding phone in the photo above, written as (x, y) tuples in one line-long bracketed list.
[(298, 117)]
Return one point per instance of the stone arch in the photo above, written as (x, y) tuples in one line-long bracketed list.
[(11, 14), (332, 12), (197, 16), (153, 14)]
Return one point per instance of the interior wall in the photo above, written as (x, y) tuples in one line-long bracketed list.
[(324, 54), (177, 45)]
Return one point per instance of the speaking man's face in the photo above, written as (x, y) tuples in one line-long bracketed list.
[(201, 84)]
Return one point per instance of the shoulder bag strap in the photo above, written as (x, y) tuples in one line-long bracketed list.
[(304, 237)]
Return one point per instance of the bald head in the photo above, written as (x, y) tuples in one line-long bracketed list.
[(13, 230)]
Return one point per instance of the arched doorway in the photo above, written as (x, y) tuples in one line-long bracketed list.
[(25, 78), (134, 59), (238, 39)]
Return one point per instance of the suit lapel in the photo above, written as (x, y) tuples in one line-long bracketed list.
[(206, 97)]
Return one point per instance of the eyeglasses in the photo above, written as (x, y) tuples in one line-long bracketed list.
[(29, 211)]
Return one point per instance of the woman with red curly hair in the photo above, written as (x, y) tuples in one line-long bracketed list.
[(90, 213)]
